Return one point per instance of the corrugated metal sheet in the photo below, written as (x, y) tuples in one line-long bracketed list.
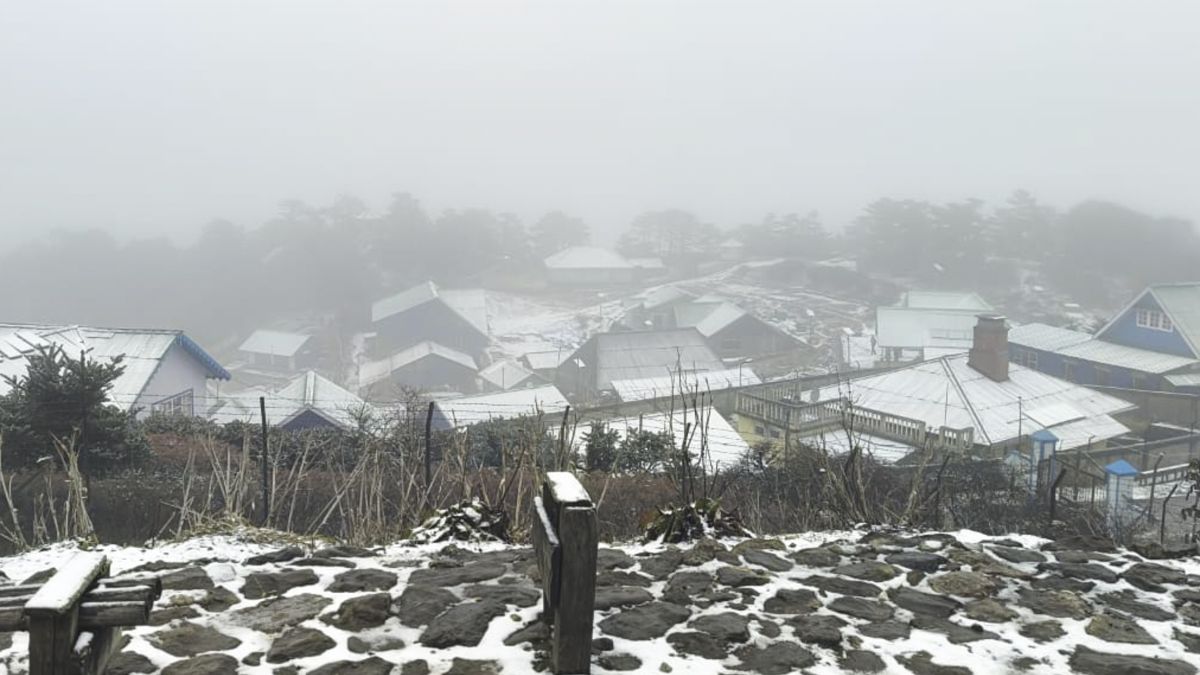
[(641, 389), (375, 371), (403, 301), (309, 391), (648, 354), (470, 304), (1185, 380), (719, 318), (838, 443), (664, 296), (274, 343), (1112, 354), (505, 374), (951, 300), (547, 360), (587, 257), (1045, 338), (463, 412), (1182, 303), (902, 328)]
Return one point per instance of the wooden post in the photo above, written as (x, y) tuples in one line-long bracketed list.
[(53, 614), (264, 457), (565, 537), (428, 448)]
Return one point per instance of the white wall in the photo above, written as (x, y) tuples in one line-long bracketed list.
[(178, 372)]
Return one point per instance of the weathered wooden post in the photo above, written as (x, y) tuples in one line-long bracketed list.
[(53, 614), (564, 539)]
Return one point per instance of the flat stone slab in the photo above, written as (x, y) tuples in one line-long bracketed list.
[(263, 584), (843, 586), (462, 625), (608, 597), (777, 658), (862, 608), (275, 614), (928, 604), (645, 622), (190, 639), (792, 601), (1091, 662), (418, 605), (471, 573)]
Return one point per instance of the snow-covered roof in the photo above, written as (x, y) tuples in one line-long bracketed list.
[(505, 374), (839, 442), (647, 263), (946, 300), (1181, 303), (587, 257), (457, 413), (948, 392), (647, 354), (1078, 345), (1184, 379), (725, 446), (143, 351), (546, 360), (308, 392), (641, 389), (900, 327), (664, 295), (274, 342), (720, 318), (471, 304), (374, 371)]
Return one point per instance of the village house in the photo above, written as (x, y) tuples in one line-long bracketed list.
[(976, 404), (545, 363), (590, 371), (589, 266), (926, 325), (664, 386), (426, 365), (279, 350), (506, 374), (458, 413), (1151, 344), (456, 319), (165, 371), (732, 332), (308, 401)]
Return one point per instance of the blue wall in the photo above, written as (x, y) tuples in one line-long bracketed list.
[(1085, 372), (1125, 331)]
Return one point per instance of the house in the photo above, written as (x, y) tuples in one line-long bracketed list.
[(1152, 343), (976, 403), (926, 325), (720, 443), (308, 401), (544, 363), (507, 374), (457, 413), (456, 319), (424, 366), (665, 386), (590, 371), (589, 266), (165, 371), (731, 331), (278, 350)]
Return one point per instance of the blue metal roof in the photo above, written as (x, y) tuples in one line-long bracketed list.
[(1121, 468), (214, 368), (1045, 435)]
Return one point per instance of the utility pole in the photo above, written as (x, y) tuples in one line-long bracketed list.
[(266, 471)]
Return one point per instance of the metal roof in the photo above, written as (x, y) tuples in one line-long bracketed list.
[(273, 342), (457, 413), (664, 295), (142, 351), (505, 374), (945, 300), (374, 371), (641, 389), (720, 318), (948, 392), (546, 360), (648, 354), (1045, 338), (901, 327), (1079, 345), (308, 392), (587, 257), (470, 304), (1181, 302), (1121, 468), (1184, 379), (838, 443)]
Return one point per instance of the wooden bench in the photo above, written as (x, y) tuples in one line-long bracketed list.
[(73, 619), (564, 541)]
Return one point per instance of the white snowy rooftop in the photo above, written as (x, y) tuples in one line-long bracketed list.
[(641, 389), (274, 343), (587, 257), (457, 413), (1079, 345)]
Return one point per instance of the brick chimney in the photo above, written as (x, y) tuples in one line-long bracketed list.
[(989, 349)]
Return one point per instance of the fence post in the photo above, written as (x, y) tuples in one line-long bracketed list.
[(565, 536)]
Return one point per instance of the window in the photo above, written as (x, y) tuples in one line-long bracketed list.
[(1027, 358), (950, 334), (1103, 377), (1139, 381), (1153, 319), (1070, 371), (179, 404)]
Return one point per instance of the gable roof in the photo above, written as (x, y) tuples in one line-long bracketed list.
[(664, 295), (948, 392), (470, 304), (647, 354), (642, 389), (587, 257), (1180, 302), (901, 327), (143, 350), (374, 371), (1079, 345), (309, 392), (546, 360), (273, 342), (946, 300), (456, 413), (505, 374)]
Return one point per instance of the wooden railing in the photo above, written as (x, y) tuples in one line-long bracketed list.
[(565, 537)]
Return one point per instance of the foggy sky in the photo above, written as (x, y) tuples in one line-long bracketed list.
[(155, 117)]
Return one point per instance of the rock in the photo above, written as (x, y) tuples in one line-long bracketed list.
[(1113, 627), (770, 561), (357, 581), (1186, 595), (697, 644), (619, 578), (298, 643), (872, 570), (1091, 662), (861, 661), (777, 658), (1155, 551), (661, 565), (463, 624), (740, 576), (608, 597), (460, 666), (323, 562), (708, 549), (792, 601), (275, 614), (914, 577), (344, 551), (161, 617), (613, 558), (819, 629), (371, 666), (683, 587), (1190, 641), (921, 663), (1043, 631), (253, 658), (602, 644), (990, 611), (926, 604), (1017, 555), (1081, 556), (416, 667), (1151, 576), (916, 560), (645, 622), (1190, 613), (1059, 604), (1082, 542), (456, 576), (1085, 571), (1056, 582), (816, 557), (769, 629), (187, 579), (358, 613), (886, 630), (262, 584), (161, 565), (964, 584), (208, 664), (189, 639), (219, 599), (619, 662), (536, 632), (862, 609), (278, 556), (954, 632), (509, 595), (725, 626), (418, 605), (1127, 601), (365, 643), (843, 586), (127, 663)]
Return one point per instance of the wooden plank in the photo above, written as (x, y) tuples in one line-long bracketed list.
[(93, 649), (119, 613), (51, 641), (548, 554), (62, 592), (12, 618), (572, 643), (144, 594), (565, 488), (14, 591), (154, 581)]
